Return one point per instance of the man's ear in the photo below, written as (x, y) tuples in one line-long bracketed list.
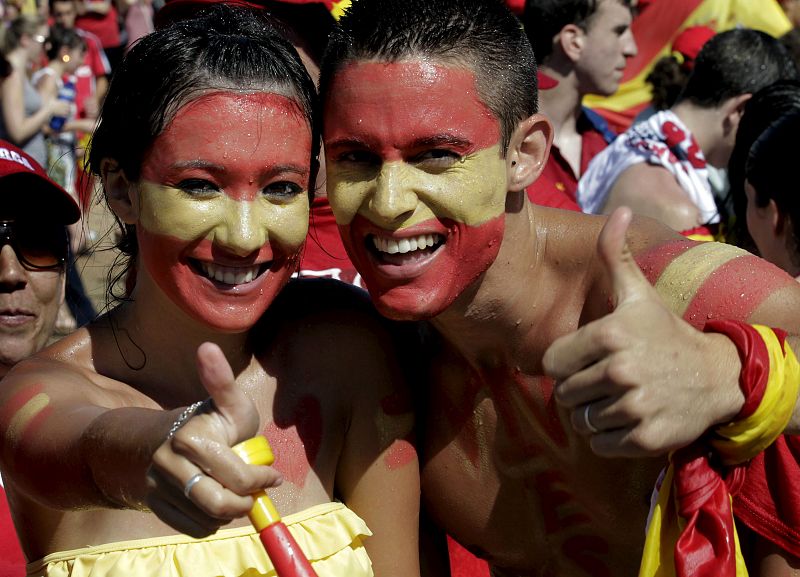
[(733, 110), (528, 151), (122, 194), (571, 40)]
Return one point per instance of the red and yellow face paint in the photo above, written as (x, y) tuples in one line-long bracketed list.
[(416, 179), (223, 205)]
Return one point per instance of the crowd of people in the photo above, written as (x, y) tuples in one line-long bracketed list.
[(543, 325)]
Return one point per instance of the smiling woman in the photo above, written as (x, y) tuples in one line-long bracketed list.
[(206, 147)]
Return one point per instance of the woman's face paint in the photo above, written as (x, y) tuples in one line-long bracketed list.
[(416, 179), (223, 205)]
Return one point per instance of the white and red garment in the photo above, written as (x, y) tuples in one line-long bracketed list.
[(661, 140)]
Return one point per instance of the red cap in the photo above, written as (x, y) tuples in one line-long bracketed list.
[(516, 6), (23, 177), (179, 9), (691, 41)]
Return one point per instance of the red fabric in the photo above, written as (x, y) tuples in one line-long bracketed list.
[(463, 563), (691, 40), (324, 254), (104, 26), (769, 500), (12, 561), (705, 547), (94, 66), (557, 185)]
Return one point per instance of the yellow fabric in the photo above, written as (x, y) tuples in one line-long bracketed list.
[(743, 440), (329, 534), (663, 530), (738, 442), (701, 237)]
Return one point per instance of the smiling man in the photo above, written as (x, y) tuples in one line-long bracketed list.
[(33, 247), (432, 136)]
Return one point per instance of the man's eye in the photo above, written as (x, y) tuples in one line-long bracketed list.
[(437, 157), (197, 187), (357, 157), (283, 189)]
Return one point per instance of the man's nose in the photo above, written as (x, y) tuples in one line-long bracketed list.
[(393, 199)]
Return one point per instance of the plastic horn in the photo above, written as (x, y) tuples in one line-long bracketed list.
[(281, 547)]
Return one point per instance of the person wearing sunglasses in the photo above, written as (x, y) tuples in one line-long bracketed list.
[(34, 212)]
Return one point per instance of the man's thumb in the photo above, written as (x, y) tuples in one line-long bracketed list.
[(628, 283)]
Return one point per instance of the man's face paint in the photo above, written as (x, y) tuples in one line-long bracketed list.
[(416, 180), (223, 205)]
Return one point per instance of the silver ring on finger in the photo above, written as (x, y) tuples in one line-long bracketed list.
[(587, 419), (193, 480)]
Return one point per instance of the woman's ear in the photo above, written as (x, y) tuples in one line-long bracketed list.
[(528, 151), (121, 193)]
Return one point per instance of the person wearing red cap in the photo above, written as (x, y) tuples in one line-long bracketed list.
[(658, 168), (34, 214), (581, 47)]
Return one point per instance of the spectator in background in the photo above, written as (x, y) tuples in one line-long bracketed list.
[(659, 167), (138, 17), (581, 47), (24, 112), (773, 205), (33, 248), (100, 17), (668, 77), (761, 111)]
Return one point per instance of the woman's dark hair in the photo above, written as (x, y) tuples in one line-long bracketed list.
[(221, 48), (667, 80), (61, 37), (770, 171), (760, 112)]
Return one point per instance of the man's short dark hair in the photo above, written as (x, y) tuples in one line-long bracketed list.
[(544, 19), (481, 35), (736, 62)]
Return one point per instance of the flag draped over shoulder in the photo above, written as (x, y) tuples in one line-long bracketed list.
[(656, 27)]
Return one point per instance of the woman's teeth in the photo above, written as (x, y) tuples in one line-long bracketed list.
[(229, 274)]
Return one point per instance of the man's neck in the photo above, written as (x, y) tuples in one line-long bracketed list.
[(562, 103), (700, 122), (491, 316)]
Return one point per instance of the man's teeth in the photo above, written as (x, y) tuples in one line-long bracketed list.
[(230, 275), (404, 245)]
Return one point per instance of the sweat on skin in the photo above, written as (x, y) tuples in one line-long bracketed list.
[(405, 164), (220, 234)]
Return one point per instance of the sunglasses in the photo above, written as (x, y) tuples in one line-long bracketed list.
[(36, 247)]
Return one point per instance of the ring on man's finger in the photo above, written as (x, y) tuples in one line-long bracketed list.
[(193, 480), (588, 421)]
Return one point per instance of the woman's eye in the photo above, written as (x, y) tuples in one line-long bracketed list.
[(283, 189), (197, 186)]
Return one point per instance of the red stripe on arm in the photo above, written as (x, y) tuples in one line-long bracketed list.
[(735, 289), (654, 260)]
